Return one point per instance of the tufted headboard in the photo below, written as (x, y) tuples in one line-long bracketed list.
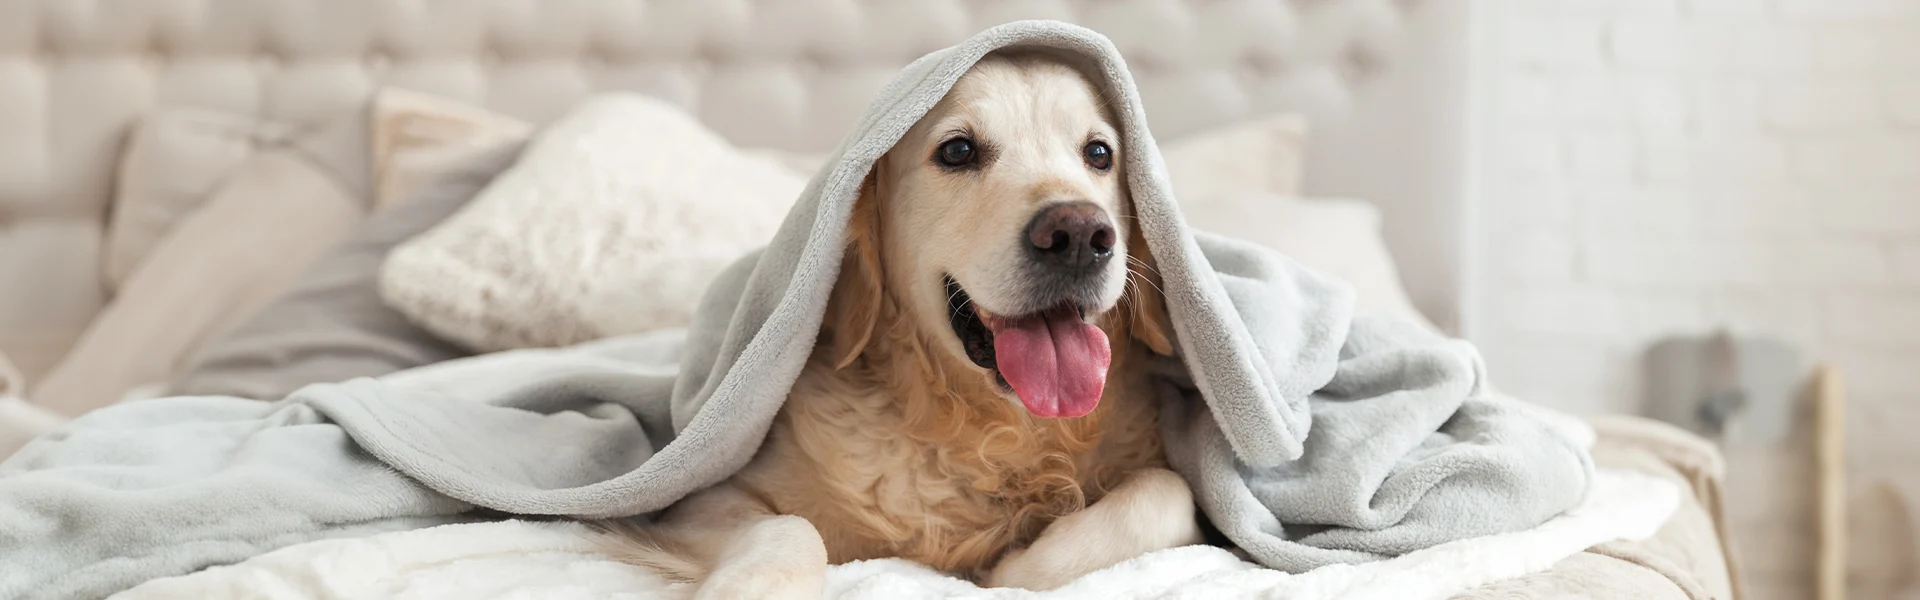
[(1382, 81)]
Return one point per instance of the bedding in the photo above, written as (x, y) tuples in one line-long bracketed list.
[(196, 183), (272, 213), (651, 219), (432, 157), (516, 558), (682, 202), (173, 162), (1400, 416), (331, 324), (1338, 237), (417, 138), (547, 559), (1260, 156), (1686, 559)]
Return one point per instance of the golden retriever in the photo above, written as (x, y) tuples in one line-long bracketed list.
[(975, 401)]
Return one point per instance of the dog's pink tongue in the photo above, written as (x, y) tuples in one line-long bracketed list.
[(1054, 361)]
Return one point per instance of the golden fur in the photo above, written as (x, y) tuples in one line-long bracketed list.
[(906, 451), (893, 443)]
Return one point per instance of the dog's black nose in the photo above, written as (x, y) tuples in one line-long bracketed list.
[(1073, 235)]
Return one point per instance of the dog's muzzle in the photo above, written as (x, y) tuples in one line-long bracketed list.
[(1068, 247)]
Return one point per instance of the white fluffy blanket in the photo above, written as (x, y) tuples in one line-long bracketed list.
[(525, 559)]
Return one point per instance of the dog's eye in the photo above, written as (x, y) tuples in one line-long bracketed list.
[(955, 152), (1099, 156)]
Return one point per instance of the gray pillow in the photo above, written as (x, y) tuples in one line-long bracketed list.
[(331, 325)]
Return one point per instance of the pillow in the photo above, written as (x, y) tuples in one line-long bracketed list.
[(1340, 238), (172, 163), (804, 163), (432, 157), (613, 222), (506, 273), (277, 211), (419, 140), (1266, 155)]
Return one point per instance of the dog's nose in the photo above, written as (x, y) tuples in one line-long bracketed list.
[(1074, 235)]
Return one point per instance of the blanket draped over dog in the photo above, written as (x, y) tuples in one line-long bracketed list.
[(1311, 436)]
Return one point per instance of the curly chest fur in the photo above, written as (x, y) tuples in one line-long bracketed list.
[(945, 475)]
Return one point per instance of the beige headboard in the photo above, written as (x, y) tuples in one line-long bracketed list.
[(1382, 81)]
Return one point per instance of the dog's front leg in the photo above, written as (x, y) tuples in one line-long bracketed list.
[(746, 551), (1151, 510)]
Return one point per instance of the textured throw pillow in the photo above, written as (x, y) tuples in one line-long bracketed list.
[(432, 157), (613, 221), (1334, 237), (276, 212)]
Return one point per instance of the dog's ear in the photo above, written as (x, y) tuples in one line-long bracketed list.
[(1147, 318), (854, 309)]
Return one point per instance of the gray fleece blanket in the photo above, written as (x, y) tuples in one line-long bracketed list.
[(1310, 435)]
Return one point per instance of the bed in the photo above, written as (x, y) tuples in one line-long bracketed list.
[(1380, 84)]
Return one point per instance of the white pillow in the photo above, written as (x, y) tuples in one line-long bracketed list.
[(613, 221), (1334, 237), (1264, 155)]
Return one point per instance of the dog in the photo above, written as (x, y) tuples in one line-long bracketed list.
[(975, 401)]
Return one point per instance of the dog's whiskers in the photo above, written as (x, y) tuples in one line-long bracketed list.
[(957, 307), (1130, 291), (1135, 260), (1143, 277)]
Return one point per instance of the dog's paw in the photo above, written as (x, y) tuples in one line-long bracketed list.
[(1017, 570), (773, 581), (780, 558), (1152, 510)]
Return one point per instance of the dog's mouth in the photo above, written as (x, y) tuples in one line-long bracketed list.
[(1052, 359)]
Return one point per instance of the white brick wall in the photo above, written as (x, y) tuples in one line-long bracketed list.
[(1654, 167)]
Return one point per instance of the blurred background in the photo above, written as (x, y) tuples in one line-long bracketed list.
[(1702, 212), (1648, 168)]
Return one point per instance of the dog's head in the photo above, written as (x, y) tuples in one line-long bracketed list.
[(1002, 222)]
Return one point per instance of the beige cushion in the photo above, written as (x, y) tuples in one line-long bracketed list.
[(58, 262), (276, 212), (420, 139), (1334, 237), (614, 221), (331, 325), (1265, 155), (173, 162)]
